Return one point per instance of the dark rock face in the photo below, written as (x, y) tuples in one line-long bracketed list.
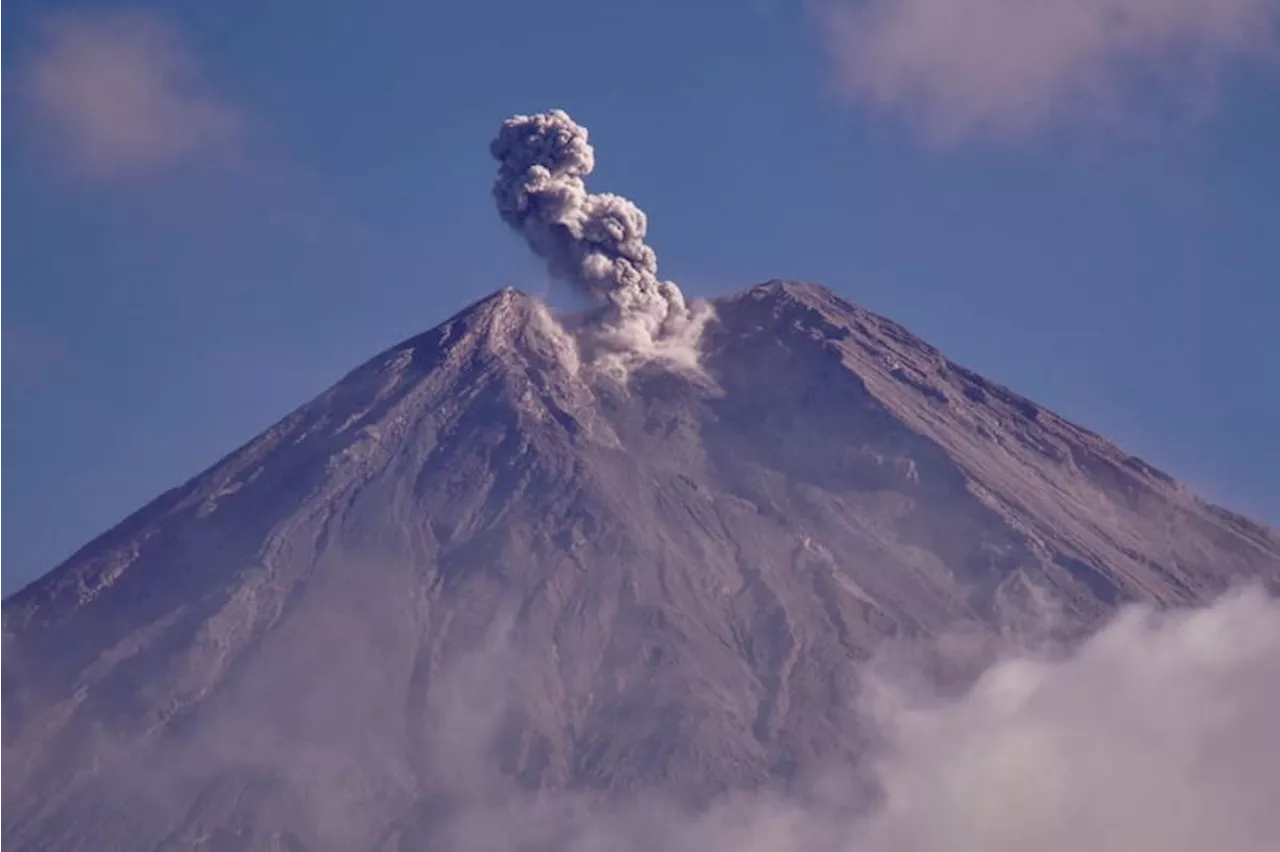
[(468, 569)]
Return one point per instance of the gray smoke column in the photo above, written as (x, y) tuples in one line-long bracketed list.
[(594, 242)]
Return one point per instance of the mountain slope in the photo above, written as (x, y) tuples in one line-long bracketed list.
[(469, 567)]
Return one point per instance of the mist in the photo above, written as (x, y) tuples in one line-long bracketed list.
[(1157, 733)]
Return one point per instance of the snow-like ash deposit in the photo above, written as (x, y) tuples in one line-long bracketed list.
[(594, 242)]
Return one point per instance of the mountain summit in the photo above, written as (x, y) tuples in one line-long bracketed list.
[(472, 566)]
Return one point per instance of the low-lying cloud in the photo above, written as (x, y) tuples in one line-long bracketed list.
[(1159, 733), (122, 94), (957, 69)]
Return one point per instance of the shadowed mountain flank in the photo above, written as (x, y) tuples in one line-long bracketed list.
[(474, 566)]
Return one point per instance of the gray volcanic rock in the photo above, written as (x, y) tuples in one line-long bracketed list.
[(469, 569)]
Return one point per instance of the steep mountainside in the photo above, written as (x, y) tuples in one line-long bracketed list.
[(469, 567)]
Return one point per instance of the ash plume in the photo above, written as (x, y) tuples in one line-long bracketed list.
[(594, 242)]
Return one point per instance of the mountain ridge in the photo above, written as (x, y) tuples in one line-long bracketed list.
[(690, 567), (498, 306)]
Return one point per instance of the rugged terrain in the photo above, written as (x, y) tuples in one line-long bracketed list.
[(470, 567)]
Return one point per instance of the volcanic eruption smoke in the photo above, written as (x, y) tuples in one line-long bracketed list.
[(593, 242)]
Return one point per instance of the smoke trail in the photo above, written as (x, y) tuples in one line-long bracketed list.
[(593, 242)]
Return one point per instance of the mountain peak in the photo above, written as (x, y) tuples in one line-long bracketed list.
[(491, 322), (785, 288), (506, 305), (510, 319), (814, 304)]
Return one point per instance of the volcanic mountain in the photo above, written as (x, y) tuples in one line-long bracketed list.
[(474, 565)]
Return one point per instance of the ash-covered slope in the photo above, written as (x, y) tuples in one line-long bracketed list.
[(470, 568)]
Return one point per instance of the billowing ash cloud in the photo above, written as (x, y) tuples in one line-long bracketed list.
[(595, 242)]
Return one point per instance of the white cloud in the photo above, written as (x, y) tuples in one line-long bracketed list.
[(963, 68), (1159, 734), (123, 93)]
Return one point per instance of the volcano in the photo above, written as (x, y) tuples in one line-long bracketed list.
[(474, 566)]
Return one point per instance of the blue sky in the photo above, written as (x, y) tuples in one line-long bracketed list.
[(215, 210)]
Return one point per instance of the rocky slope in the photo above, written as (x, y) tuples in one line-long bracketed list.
[(469, 568)]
